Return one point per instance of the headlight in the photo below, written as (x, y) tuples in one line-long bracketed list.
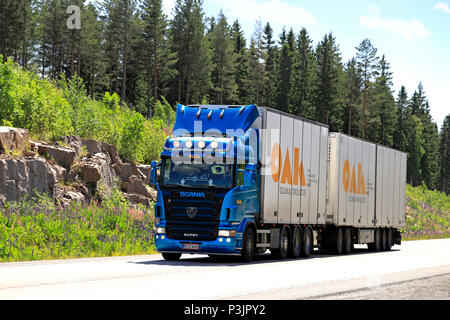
[(188, 144), (161, 230), (227, 233), (201, 144), (214, 145), (176, 144)]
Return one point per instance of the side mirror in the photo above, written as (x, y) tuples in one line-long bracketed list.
[(154, 166), (249, 175)]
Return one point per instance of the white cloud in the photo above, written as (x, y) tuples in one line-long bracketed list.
[(168, 5), (442, 6), (411, 29)]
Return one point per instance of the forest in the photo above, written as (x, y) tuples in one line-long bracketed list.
[(128, 58)]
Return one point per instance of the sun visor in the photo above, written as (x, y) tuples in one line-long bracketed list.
[(214, 119)]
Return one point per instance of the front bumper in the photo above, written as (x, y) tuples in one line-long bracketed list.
[(219, 246)]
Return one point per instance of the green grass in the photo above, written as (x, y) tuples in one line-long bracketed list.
[(427, 214), (34, 229)]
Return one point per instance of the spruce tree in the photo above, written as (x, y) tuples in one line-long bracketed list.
[(270, 63), (353, 83), (304, 76), (328, 89), (444, 155), (401, 109)]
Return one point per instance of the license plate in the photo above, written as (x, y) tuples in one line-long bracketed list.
[(191, 246)]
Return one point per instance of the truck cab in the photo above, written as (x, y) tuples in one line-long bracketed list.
[(207, 182)]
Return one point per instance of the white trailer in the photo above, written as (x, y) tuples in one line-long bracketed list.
[(331, 189)]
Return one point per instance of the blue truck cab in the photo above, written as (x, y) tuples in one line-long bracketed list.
[(208, 183)]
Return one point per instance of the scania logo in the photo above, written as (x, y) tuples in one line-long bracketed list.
[(192, 194), (191, 212)]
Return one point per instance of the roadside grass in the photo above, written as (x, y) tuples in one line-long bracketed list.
[(427, 214), (34, 229)]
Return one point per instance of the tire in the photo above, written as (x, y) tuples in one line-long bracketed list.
[(384, 239), (348, 241), (307, 243), (338, 247), (171, 256), (248, 245), (285, 245), (296, 248), (390, 239), (376, 245)]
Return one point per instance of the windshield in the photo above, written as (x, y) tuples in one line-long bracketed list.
[(197, 175)]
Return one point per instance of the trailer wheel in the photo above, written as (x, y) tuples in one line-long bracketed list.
[(284, 249), (296, 243), (376, 245), (384, 237), (348, 241), (249, 245), (390, 239), (171, 256), (307, 246), (338, 247)]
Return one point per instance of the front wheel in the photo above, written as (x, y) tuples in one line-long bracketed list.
[(171, 256), (249, 245)]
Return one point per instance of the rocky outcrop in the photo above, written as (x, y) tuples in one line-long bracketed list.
[(65, 157), (72, 170), (22, 177), (13, 139)]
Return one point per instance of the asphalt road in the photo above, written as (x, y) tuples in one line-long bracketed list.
[(196, 277)]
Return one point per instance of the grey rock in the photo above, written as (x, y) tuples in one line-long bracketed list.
[(13, 139)]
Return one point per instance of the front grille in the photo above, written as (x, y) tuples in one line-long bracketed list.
[(203, 226)]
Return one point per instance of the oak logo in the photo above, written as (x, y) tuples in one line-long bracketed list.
[(282, 172), (353, 183)]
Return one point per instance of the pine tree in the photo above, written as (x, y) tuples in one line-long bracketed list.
[(191, 47), (367, 62), (155, 26)]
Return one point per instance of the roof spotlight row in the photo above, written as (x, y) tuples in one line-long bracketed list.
[(201, 144)]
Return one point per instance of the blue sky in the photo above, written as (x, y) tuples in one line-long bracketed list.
[(414, 35)]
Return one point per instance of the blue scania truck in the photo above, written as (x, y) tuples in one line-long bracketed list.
[(241, 180)]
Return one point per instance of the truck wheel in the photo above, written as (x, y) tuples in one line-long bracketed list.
[(376, 245), (390, 239), (283, 251), (249, 245), (348, 241), (171, 256), (384, 239), (307, 246), (296, 243)]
